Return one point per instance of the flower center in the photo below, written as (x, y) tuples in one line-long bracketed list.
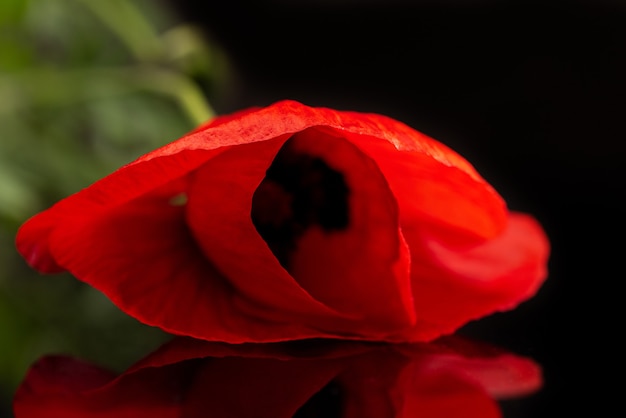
[(299, 191)]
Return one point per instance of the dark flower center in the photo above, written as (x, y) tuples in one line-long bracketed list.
[(298, 191)]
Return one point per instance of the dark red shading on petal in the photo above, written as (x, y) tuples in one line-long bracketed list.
[(361, 273), (453, 285), (191, 378), (142, 255), (223, 229), (364, 269)]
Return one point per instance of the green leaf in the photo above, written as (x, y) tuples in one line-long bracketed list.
[(12, 11)]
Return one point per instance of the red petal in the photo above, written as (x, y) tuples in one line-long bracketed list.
[(142, 255), (362, 272), (224, 230), (364, 269), (126, 184), (177, 159), (445, 195), (453, 285)]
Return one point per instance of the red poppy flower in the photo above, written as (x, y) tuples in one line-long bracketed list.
[(191, 378), (290, 222)]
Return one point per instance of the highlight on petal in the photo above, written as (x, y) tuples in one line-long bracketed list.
[(192, 378)]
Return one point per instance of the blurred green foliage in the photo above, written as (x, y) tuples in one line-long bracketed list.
[(85, 87)]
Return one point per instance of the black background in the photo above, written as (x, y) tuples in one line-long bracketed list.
[(532, 93)]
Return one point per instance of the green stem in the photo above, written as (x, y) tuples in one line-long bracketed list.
[(189, 97), (52, 87), (129, 24)]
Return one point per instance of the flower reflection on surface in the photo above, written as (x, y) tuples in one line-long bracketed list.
[(451, 377)]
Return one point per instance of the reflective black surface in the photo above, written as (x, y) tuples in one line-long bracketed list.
[(449, 378), (533, 93)]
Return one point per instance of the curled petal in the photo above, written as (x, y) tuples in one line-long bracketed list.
[(455, 284), (443, 194), (360, 271)]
